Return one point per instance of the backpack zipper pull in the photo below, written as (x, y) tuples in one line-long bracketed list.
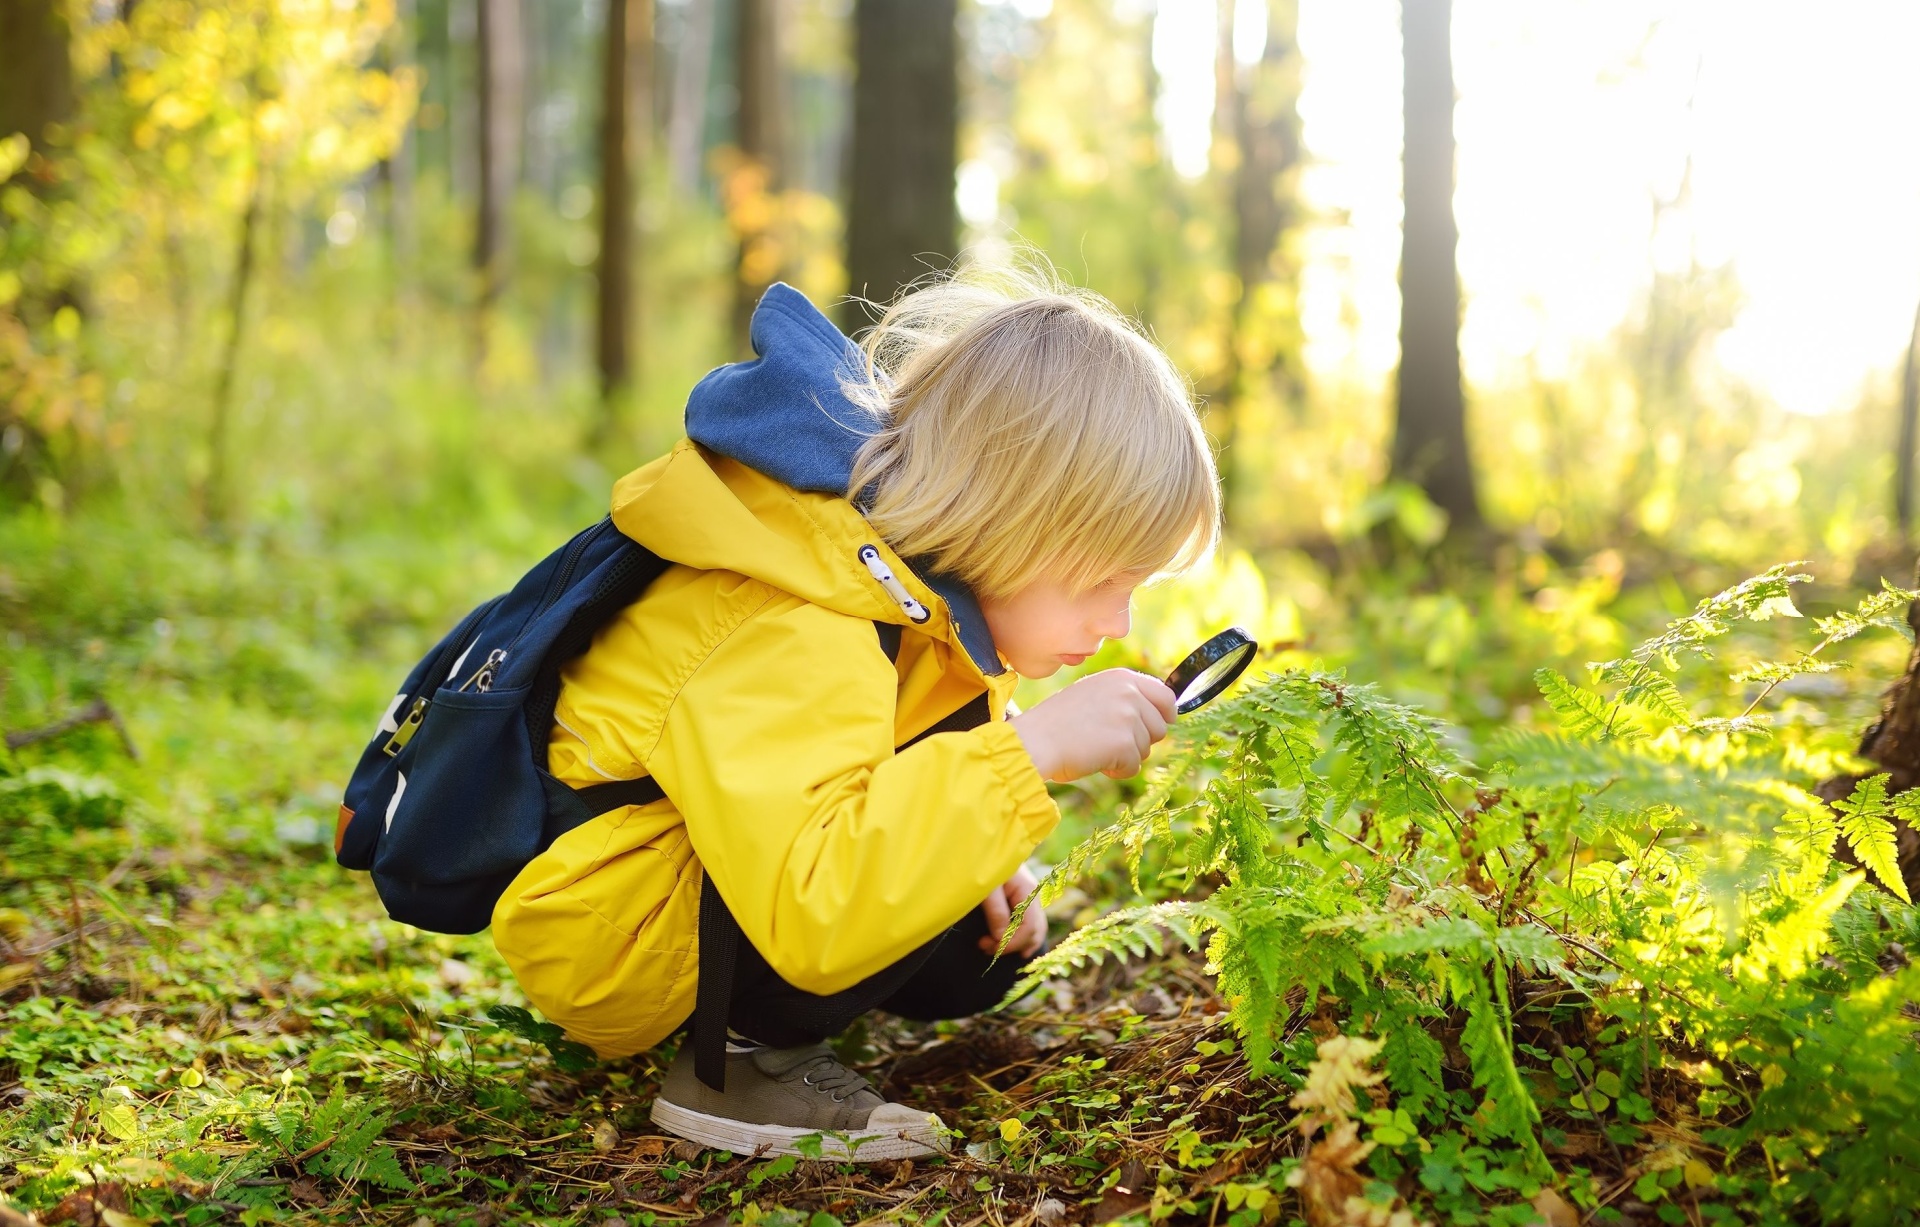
[(408, 727), (482, 679)]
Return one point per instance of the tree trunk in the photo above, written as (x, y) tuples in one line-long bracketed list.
[(1430, 429), (625, 97), (756, 180), (901, 220), (396, 175), (1909, 426), (36, 70), (217, 500), (501, 78), (1264, 123), (692, 69)]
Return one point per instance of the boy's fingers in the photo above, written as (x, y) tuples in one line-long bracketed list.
[(997, 913), (1159, 694)]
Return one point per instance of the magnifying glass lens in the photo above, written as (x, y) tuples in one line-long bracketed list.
[(1213, 666)]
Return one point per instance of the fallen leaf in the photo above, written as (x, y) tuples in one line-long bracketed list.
[(305, 1189), (14, 973), (686, 1151), (1051, 1211), (1552, 1207), (1131, 1193), (606, 1138), (649, 1148)]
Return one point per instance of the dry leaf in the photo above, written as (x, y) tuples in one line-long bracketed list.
[(1552, 1207), (649, 1148), (606, 1138)]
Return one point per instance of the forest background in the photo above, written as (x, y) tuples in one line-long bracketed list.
[(321, 320)]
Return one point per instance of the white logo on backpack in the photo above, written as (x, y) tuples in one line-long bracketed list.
[(399, 790)]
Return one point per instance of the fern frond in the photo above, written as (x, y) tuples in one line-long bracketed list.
[(1582, 713), (1507, 1108), (1654, 692), (1885, 608), (1131, 932), (1137, 827), (1765, 595), (1866, 820)]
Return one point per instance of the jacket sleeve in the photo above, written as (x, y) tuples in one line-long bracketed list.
[(836, 855)]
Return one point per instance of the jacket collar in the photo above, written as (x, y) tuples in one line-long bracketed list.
[(786, 414)]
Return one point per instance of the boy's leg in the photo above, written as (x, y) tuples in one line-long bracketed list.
[(956, 979), (768, 1010)]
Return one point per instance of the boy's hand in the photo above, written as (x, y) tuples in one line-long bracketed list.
[(999, 908), (1104, 722)]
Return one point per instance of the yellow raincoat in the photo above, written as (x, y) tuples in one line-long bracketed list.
[(750, 682)]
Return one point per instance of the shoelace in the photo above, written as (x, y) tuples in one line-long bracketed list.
[(828, 1076)]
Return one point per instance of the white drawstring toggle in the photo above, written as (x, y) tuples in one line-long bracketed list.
[(878, 567)]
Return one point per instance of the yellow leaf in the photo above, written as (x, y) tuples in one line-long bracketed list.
[(13, 973), (1698, 1174), (121, 1121), (1011, 1129), (191, 1077), (1771, 1076)]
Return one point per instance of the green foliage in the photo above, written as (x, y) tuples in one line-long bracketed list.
[(570, 1055), (1667, 874)]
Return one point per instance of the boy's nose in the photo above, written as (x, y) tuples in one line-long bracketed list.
[(1115, 623)]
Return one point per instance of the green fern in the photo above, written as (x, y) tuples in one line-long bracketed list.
[(1866, 820)]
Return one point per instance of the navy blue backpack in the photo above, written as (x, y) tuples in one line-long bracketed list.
[(452, 797)]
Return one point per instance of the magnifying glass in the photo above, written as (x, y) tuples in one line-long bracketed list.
[(1214, 665)]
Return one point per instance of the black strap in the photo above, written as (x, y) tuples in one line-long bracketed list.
[(720, 934), (720, 939), (889, 633), (605, 798)]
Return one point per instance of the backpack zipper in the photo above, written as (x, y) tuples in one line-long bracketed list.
[(482, 678)]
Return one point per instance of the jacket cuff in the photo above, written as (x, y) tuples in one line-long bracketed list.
[(1032, 804)]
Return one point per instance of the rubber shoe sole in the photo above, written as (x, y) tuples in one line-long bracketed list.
[(895, 1139)]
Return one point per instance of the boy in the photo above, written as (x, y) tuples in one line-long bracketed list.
[(870, 547)]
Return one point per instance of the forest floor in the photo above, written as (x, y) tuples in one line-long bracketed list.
[(203, 1039)]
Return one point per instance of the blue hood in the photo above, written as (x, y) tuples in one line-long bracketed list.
[(785, 415)]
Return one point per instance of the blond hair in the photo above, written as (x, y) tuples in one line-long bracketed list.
[(1028, 428)]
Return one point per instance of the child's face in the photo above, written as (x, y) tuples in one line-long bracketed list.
[(1047, 625)]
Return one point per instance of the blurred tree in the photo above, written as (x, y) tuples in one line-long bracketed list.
[(1909, 426), (36, 68), (1430, 426), (901, 218), (501, 90), (626, 92), (1259, 90), (752, 177)]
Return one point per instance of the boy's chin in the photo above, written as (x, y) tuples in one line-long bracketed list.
[(1036, 670)]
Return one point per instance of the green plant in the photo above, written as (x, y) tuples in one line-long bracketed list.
[(1640, 907)]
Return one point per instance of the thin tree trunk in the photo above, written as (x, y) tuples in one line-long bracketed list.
[(1909, 427), (760, 173), (901, 220), (1263, 120), (692, 70), (625, 106), (502, 70), (218, 498), (1430, 429), (397, 180), (36, 69)]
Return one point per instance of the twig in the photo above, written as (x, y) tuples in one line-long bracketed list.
[(97, 712)]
